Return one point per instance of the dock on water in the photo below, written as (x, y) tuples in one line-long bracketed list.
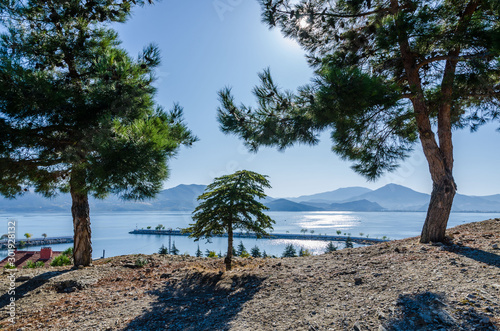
[(4, 243), (358, 240)]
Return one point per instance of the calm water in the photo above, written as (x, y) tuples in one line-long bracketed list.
[(110, 230)]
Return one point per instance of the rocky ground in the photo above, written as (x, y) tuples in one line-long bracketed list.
[(399, 285)]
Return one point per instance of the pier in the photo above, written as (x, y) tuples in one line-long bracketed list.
[(4, 243), (358, 240)]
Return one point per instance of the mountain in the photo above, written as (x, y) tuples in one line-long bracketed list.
[(341, 194), (395, 197), (287, 205), (358, 205), (391, 197)]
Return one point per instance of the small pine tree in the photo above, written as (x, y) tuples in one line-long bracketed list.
[(264, 254), (174, 250), (289, 251), (241, 249), (163, 250), (198, 252), (330, 247), (255, 252), (348, 242)]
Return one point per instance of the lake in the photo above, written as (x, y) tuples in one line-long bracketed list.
[(110, 230)]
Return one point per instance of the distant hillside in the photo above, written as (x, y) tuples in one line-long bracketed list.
[(341, 194), (287, 205), (391, 197)]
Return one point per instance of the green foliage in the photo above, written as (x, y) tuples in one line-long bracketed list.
[(289, 251), (28, 235), (9, 265), (264, 254), (89, 105), (229, 203), (339, 232), (33, 265), (68, 252), (159, 227), (44, 235), (304, 252), (348, 242), (210, 253), (241, 249), (60, 260), (22, 243), (174, 250), (148, 227), (141, 262), (198, 252), (365, 55), (163, 250), (255, 252), (330, 247)]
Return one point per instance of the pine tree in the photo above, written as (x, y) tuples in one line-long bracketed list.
[(230, 203), (348, 242), (330, 247), (241, 249), (387, 74), (163, 250), (264, 254), (174, 250), (77, 113), (198, 252), (289, 251), (255, 252)]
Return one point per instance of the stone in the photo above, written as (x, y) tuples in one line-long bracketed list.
[(358, 281), (495, 246), (23, 278)]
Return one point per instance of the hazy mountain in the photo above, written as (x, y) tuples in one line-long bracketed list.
[(395, 197), (183, 198), (287, 205), (341, 194)]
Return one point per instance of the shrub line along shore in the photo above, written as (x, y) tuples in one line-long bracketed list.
[(358, 240)]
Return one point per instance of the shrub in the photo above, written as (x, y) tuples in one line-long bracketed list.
[(9, 266), (331, 247), (163, 250), (211, 254), (348, 242), (29, 265), (141, 262), (198, 252), (22, 243), (304, 252), (245, 254), (148, 227), (60, 260), (68, 252), (289, 251), (39, 264), (255, 252), (339, 232)]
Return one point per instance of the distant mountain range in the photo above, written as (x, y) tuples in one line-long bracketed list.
[(391, 197)]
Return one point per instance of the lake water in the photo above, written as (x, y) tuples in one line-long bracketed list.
[(110, 231)]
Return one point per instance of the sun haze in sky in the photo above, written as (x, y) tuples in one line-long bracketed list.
[(208, 45)]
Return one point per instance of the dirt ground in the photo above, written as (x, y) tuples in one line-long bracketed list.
[(399, 285)]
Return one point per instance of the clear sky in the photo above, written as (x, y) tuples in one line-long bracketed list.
[(207, 45)]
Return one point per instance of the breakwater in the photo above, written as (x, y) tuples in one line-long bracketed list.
[(4, 243), (358, 240)]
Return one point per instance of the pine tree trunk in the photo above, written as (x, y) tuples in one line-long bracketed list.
[(229, 255), (434, 229), (82, 246)]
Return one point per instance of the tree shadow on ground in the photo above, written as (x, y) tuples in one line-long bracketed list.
[(479, 255), (30, 285), (429, 311), (201, 301)]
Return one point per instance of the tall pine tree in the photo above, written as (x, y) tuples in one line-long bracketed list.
[(387, 74), (77, 113)]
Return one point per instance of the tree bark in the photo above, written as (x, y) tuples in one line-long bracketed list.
[(229, 255), (82, 246)]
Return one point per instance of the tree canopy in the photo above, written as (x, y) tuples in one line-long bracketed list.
[(77, 112), (387, 74), (230, 203)]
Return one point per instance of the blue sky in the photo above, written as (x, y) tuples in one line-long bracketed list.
[(207, 45)]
